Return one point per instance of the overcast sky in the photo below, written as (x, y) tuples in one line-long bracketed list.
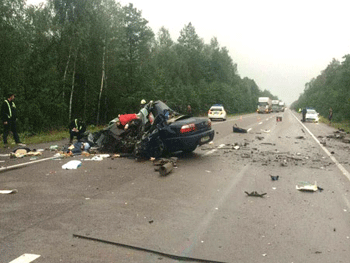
[(280, 44)]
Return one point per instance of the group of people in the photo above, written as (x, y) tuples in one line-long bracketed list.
[(77, 127)]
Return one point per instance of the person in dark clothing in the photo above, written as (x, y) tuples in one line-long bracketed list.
[(304, 114), (189, 110), (76, 129), (330, 116), (9, 118)]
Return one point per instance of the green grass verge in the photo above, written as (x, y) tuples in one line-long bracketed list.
[(45, 137), (338, 125)]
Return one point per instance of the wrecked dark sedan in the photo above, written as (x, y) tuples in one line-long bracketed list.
[(180, 132), (166, 132)]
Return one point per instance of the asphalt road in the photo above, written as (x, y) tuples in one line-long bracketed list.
[(199, 212)]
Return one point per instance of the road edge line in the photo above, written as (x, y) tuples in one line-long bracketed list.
[(340, 167)]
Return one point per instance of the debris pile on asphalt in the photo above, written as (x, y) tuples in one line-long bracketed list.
[(165, 166)]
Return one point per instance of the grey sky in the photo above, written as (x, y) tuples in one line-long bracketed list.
[(280, 44)]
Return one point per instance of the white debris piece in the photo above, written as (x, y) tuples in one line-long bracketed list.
[(71, 165)]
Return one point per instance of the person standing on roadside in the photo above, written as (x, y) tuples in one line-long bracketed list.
[(330, 115), (9, 118), (189, 110), (304, 114)]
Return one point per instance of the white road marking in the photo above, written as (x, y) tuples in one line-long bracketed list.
[(341, 168), (214, 150), (25, 258)]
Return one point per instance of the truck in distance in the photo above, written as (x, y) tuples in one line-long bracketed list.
[(275, 105), (264, 105)]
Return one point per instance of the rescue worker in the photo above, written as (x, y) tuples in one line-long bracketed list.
[(143, 113), (76, 128), (330, 116), (304, 114), (9, 118)]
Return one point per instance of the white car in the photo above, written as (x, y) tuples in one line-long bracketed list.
[(217, 112), (311, 115)]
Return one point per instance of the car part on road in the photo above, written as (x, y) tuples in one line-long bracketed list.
[(239, 130), (165, 169), (172, 256), (255, 193), (6, 192), (274, 178), (306, 186), (71, 165)]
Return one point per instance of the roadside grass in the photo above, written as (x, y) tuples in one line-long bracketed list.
[(338, 125), (45, 137)]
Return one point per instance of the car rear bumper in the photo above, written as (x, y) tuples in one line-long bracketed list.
[(216, 116), (183, 143)]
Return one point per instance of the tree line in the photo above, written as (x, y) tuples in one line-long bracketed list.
[(330, 89), (95, 59)]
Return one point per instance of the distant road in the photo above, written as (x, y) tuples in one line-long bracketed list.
[(200, 211)]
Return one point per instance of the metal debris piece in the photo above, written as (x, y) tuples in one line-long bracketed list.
[(166, 169), (274, 178), (255, 193), (239, 130), (165, 166), (5, 192), (306, 186)]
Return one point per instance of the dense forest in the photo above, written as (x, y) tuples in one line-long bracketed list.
[(331, 89), (95, 59)]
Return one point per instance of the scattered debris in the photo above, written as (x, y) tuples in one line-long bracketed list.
[(319, 189), (300, 137), (274, 178), (53, 147), (165, 166), (255, 193), (71, 165), (306, 186), (5, 192), (166, 169), (245, 155), (239, 130), (278, 119)]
